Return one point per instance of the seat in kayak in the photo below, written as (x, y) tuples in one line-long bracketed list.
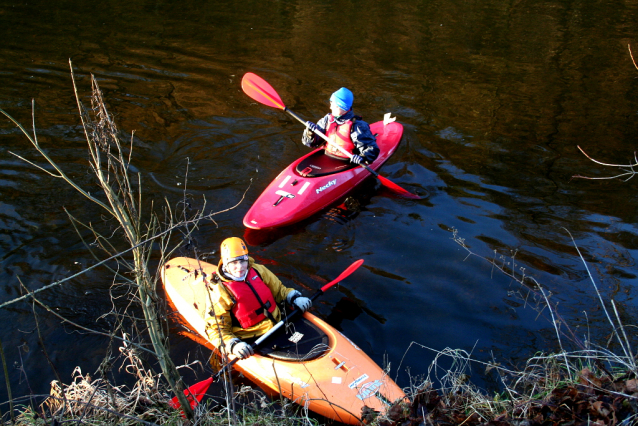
[(321, 164), (302, 341)]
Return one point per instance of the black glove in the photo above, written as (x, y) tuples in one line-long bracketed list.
[(356, 159), (310, 126), (308, 135)]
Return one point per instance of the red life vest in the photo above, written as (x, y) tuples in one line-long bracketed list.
[(247, 309), (340, 135)]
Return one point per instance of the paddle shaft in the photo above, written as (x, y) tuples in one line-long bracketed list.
[(290, 316), (202, 386), (261, 340), (331, 143)]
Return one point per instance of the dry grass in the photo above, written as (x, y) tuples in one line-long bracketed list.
[(95, 401)]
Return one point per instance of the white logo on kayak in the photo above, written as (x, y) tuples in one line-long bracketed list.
[(369, 389), (358, 381), (328, 185)]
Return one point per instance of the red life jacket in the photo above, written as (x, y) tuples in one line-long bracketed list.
[(247, 309), (340, 135)]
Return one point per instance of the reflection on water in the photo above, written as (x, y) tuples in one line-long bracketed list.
[(494, 98)]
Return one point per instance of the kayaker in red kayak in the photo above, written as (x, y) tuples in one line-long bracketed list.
[(345, 129), (245, 298)]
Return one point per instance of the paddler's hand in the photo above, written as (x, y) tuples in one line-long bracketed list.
[(309, 138), (310, 127), (356, 159), (302, 303), (298, 301), (241, 349)]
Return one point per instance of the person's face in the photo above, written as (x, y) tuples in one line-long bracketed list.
[(335, 110), (237, 268)]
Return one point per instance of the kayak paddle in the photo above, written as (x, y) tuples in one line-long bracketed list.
[(195, 393), (259, 89)]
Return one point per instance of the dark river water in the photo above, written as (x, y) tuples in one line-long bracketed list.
[(495, 97)]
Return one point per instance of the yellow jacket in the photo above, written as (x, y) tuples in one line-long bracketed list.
[(219, 326)]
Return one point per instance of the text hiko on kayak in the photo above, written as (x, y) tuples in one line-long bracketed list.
[(345, 129), (245, 298)]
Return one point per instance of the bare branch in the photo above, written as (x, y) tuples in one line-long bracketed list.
[(632, 56), (628, 169)]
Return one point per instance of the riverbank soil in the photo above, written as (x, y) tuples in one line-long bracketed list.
[(592, 401)]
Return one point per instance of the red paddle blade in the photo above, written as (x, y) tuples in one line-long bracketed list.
[(396, 188), (259, 89), (194, 394), (343, 275)]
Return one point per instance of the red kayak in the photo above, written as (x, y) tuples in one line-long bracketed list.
[(316, 181)]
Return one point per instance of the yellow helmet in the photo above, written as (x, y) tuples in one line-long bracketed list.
[(233, 248)]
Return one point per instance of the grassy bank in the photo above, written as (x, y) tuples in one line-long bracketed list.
[(596, 388)]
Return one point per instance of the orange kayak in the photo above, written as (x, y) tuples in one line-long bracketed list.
[(309, 362)]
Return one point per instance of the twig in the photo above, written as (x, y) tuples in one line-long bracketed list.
[(629, 355), (632, 56), (8, 382), (600, 298), (560, 342)]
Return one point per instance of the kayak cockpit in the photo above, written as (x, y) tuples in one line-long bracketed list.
[(302, 341), (322, 164)]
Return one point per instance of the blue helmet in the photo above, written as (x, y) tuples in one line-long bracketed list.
[(343, 98)]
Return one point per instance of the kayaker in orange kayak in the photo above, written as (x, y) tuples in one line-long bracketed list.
[(344, 129), (244, 300)]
